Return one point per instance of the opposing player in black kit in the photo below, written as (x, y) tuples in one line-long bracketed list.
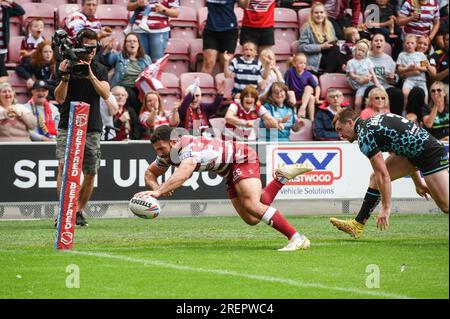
[(412, 149)]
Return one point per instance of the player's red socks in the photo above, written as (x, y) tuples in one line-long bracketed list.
[(270, 192), (273, 217)]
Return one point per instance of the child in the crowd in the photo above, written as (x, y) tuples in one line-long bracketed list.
[(143, 24), (247, 69), (385, 22), (268, 61), (360, 72), (351, 35), (31, 41), (413, 65), (304, 85)]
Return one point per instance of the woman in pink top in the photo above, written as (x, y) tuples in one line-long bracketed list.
[(377, 103), (15, 119), (152, 113)]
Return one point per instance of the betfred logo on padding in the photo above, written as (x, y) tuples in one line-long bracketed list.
[(81, 120), (326, 160)]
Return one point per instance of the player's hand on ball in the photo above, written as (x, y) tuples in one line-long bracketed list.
[(383, 219), (154, 194)]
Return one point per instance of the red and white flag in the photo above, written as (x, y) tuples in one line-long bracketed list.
[(150, 78)]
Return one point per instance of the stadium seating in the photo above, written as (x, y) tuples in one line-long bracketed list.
[(337, 81), (239, 12), (303, 15), (14, 51), (65, 10), (112, 15), (229, 84), (286, 24), (295, 47), (53, 3), (171, 91), (118, 35), (207, 85), (122, 3), (195, 4), (282, 50), (179, 56), (19, 85), (185, 26), (44, 11)]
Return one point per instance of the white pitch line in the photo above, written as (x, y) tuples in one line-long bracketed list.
[(285, 281)]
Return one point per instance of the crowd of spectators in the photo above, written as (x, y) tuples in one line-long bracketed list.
[(393, 53)]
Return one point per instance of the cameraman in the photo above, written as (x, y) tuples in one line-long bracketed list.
[(87, 89)]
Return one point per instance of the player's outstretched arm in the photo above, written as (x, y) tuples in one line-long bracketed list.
[(383, 181), (181, 174), (151, 176)]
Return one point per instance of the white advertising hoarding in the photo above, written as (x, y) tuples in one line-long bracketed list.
[(342, 171)]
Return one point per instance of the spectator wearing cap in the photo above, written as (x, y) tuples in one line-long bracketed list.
[(8, 9), (46, 115)]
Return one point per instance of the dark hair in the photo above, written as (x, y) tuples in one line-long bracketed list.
[(344, 115), (140, 53), (269, 99), (161, 133), (84, 1), (86, 34)]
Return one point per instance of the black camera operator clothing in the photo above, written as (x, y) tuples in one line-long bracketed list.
[(83, 90)]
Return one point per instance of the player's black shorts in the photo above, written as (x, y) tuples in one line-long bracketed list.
[(259, 36), (220, 41), (433, 159), (2, 65)]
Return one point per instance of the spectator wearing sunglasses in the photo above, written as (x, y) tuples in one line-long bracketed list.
[(436, 114), (377, 103)]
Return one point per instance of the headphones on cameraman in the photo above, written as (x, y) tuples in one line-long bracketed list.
[(81, 35)]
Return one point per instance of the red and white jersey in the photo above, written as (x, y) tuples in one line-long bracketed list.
[(157, 22), (259, 14), (211, 154), (29, 43), (243, 132), (429, 12), (78, 20), (159, 119)]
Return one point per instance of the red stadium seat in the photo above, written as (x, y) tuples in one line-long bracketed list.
[(179, 56), (15, 28), (14, 51), (171, 91), (336, 81), (195, 4), (118, 35), (282, 50), (387, 48), (65, 10), (112, 15), (54, 3), (229, 84), (206, 84), (38, 10), (196, 54), (185, 26), (122, 3), (305, 133), (19, 85), (303, 15), (286, 24), (239, 12), (297, 5)]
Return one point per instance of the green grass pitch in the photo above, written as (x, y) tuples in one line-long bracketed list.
[(222, 257)]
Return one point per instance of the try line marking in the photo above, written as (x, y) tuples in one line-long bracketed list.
[(285, 281)]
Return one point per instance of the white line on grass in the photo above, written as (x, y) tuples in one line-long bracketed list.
[(285, 281)]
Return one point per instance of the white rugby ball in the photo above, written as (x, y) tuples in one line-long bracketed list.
[(145, 206)]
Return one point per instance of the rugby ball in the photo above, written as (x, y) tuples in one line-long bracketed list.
[(144, 206)]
